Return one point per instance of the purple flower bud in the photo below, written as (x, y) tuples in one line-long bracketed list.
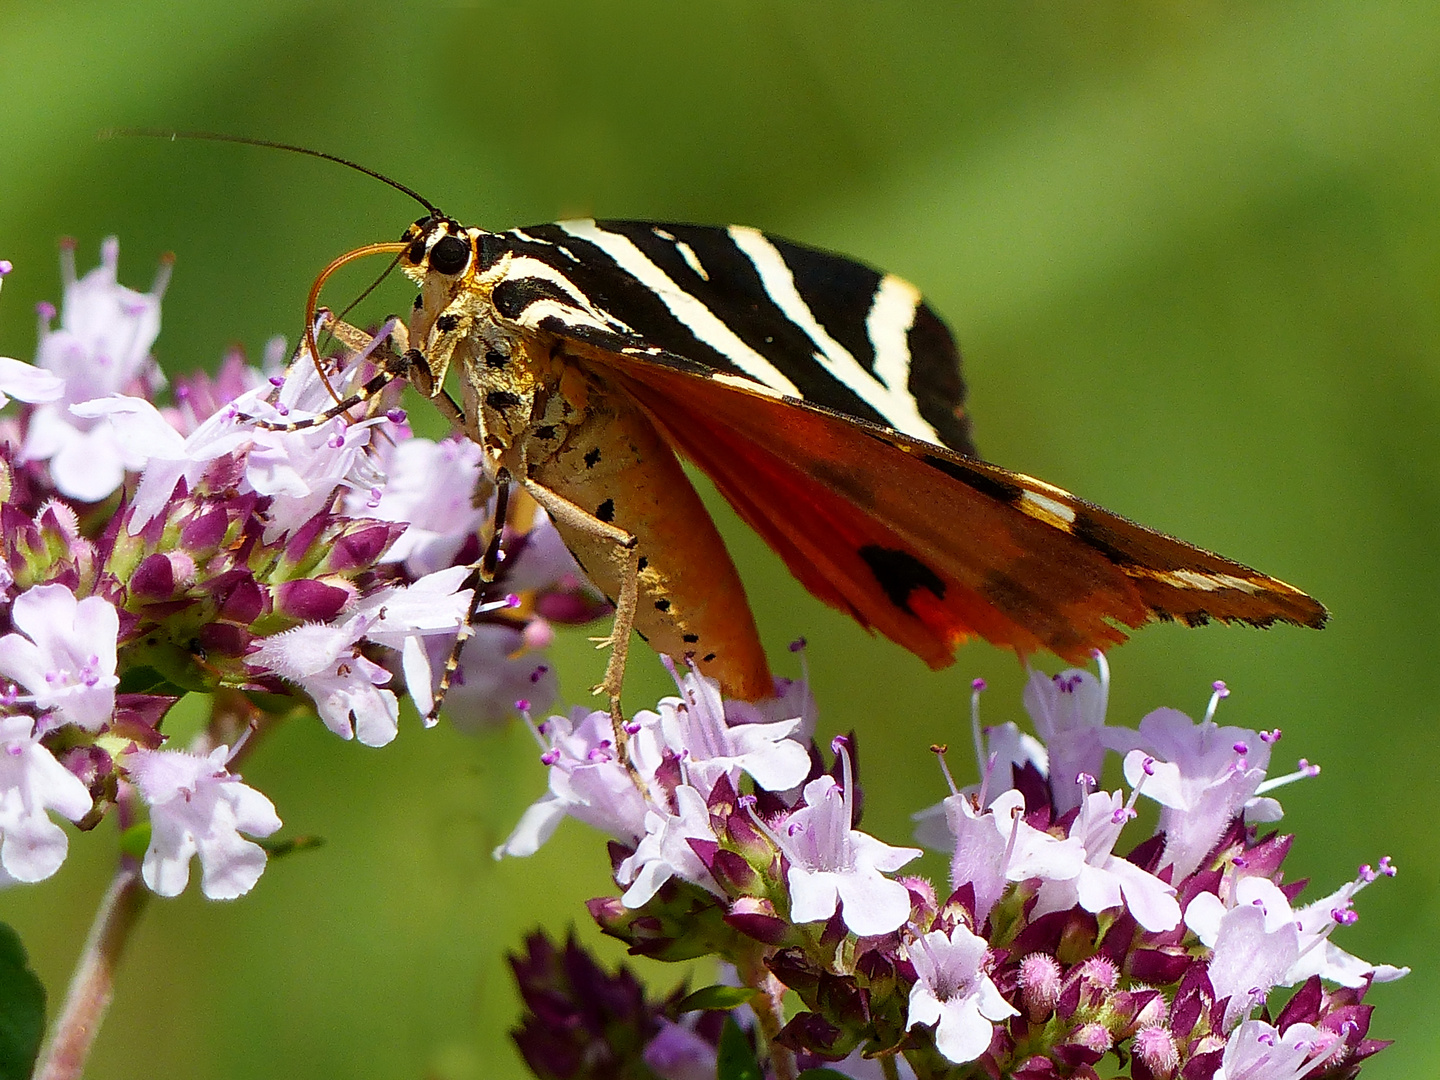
[(1040, 984), (360, 549), (310, 600), (1155, 1047), (395, 416), (224, 639), (154, 578), (6, 266), (242, 600), (977, 685)]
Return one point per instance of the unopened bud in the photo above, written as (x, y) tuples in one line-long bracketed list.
[(1040, 984), (1155, 1047)]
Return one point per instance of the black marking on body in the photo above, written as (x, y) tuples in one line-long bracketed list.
[(495, 359), (592, 457), (899, 574), (707, 657), (513, 295), (419, 302), (502, 400), (544, 432), (662, 605), (606, 510), (690, 639), (447, 323), (415, 253), (1001, 490), (642, 564)]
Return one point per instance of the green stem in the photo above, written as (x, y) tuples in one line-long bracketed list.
[(93, 984)]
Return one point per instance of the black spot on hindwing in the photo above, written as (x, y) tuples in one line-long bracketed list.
[(899, 574)]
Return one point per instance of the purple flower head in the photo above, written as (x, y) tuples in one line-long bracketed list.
[(1200, 779), (1068, 711), (431, 486), (695, 726), (1105, 881)]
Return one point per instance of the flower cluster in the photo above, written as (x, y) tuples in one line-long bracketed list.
[(148, 552), (1050, 950)]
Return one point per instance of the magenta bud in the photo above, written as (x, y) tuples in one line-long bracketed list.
[(154, 578), (977, 685), (310, 600), (357, 550), (798, 645), (522, 705), (45, 310), (244, 600), (396, 416), (6, 266)]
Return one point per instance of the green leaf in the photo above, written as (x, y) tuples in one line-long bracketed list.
[(735, 1060), (22, 1009), (718, 997), (822, 1074)]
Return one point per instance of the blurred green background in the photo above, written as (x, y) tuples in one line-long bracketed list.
[(1190, 251)]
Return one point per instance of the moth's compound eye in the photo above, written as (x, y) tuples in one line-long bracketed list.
[(449, 255), (415, 253)]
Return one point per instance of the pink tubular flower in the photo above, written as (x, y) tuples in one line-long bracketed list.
[(102, 346), (198, 808), (64, 654), (587, 782), (325, 662), (431, 487), (1069, 714), (1258, 1051), (1203, 775), (695, 726), (1104, 880), (32, 847), (831, 863), (953, 992), (665, 852)]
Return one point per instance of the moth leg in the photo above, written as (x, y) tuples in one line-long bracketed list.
[(393, 365), (627, 557), (396, 355), (481, 574)]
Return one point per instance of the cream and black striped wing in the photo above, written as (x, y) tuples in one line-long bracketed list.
[(825, 400), (735, 302)]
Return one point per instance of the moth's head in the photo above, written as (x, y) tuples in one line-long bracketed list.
[(440, 247)]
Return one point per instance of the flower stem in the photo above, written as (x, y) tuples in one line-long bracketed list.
[(93, 984), (770, 1014)]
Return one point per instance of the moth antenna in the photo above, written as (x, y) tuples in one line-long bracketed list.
[(245, 140), (313, 300)]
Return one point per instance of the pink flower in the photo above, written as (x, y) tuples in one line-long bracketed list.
[(953, 992), (1106, 881), (32, 847), (832, 863), (326, 663), (64, 654), (101, 347), (198, 808)]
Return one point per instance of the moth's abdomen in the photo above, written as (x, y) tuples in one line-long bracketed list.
[(614, 464)]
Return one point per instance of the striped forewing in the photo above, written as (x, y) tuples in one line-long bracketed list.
[(735, 302)]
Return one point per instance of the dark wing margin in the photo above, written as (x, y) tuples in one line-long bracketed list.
[(802, 322)]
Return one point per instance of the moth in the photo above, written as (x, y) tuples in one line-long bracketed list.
[(823, 399)]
